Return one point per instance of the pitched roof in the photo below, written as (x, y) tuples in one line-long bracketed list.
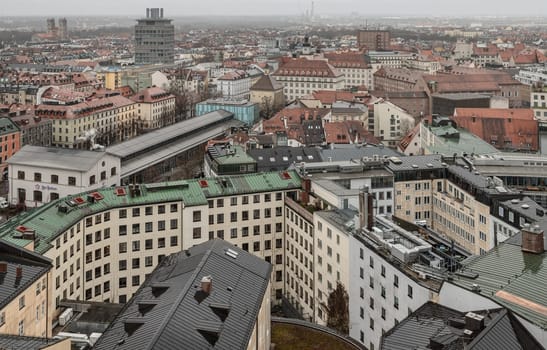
[(484, 81), (504, 128), (56, 158), (266, 83), (13, 342), (308, 68), (511, 278), (33, 266), (152, 94), (436, 324), (170, 309), (349, 131)]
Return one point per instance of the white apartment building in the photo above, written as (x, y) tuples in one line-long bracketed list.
[(38, 175), (385, 287), (389, 59), (300, 77), (234, 84), (538, 102), (533, 75), (103, 243), (391, 122)]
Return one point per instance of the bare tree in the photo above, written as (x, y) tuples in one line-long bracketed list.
[(337, 309)]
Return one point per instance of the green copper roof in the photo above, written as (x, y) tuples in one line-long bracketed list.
[(506, 270), (48, 221)]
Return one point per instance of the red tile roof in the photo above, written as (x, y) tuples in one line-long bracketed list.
[(329, 97), (347, 59), (151, 95), (349, 131), (503, 128), (309, 68)]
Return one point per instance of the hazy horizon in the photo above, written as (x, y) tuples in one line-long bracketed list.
[(416, 8)]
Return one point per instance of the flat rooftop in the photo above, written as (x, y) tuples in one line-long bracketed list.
[(56, 158)]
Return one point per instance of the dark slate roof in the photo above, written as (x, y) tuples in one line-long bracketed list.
[(348, 152), (34, 267), (280, 158), (438, 323), (13, 342), (170, 311)]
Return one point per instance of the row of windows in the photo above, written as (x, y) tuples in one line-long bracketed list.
[(267, 197), (267, 213), (71, 180)]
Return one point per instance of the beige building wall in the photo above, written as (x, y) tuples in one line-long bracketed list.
[(331, 263), (299, 260), (261, 336), (156, 114), (459, 216), (29, 313), (64, 344)]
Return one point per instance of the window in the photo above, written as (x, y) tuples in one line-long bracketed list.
[(174, 223), (54, 179), (21, 302), (220, 203), (92, 180), (174, 208), (256, 198), (161, 209), (71, 181), (37, 196), (220, 218), (103, 175), (21, 175), (122, 282), (383, 312), (371, 324), (161, 242), (196, 233), (410, 292), (136, 228), (21, 327), (136, 263), (148, 261), (112, 171), (161, 225), (245, 199), (371, 262), (148, 227), (136, 212), (396, 302), (38, 177), (122, 265), (174, 241), (233, 201), (197, 215), (122, 213), (396, 281), (122, 247), (383, 271), (136, 246), (256, 246), (135, 281), (149, 211), (233, 216)]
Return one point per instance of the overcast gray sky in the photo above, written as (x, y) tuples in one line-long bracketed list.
[(271, 7)]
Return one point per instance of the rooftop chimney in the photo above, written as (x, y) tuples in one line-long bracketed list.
[(532, 239), (3, 267), (207, 284), (366, 215), (19, 272)]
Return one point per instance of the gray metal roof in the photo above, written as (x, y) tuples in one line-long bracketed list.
[(154, 156), (154, 138), (342, 152), (183, 316), (436, 322), (56, 158), (413, 163), (507, 271), (280, 158)]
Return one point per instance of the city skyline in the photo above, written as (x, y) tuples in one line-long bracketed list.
[(466, 8)]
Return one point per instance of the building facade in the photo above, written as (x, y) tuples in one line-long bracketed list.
[(39, 175), (301, 77), (154, 39)]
